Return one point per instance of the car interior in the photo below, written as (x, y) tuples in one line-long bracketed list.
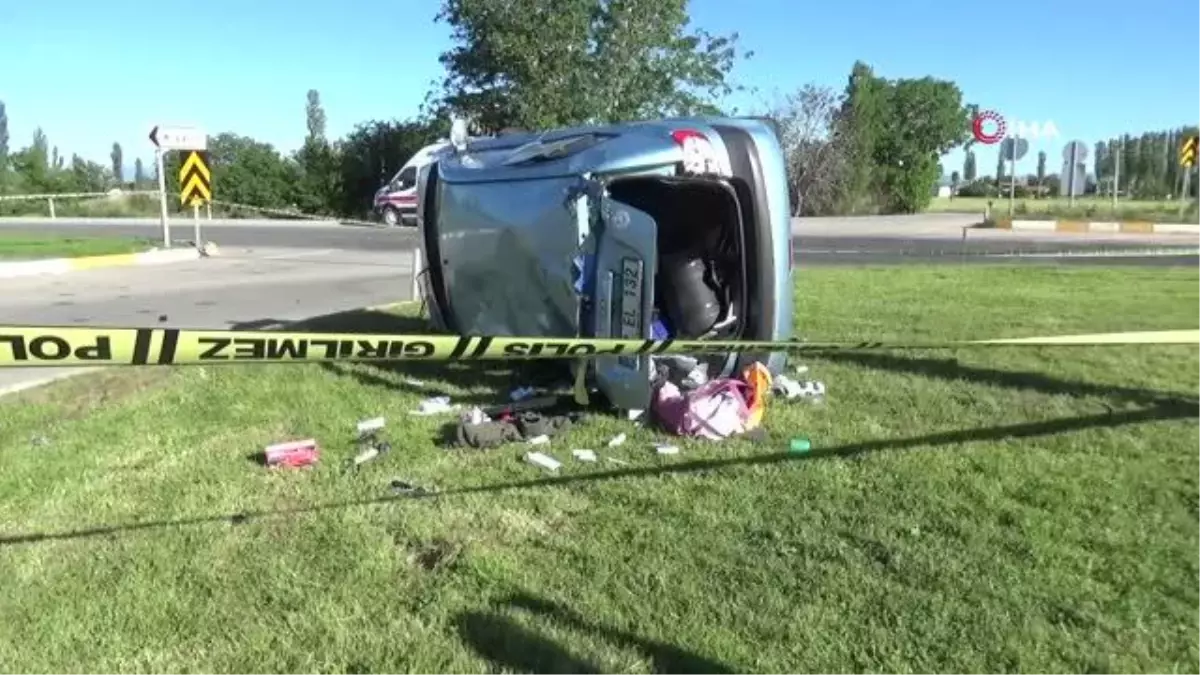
[(700, 289)]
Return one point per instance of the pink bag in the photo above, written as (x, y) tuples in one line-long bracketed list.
[(715, 410)]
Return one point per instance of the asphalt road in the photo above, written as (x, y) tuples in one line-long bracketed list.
[(244, 288), (864, 247)]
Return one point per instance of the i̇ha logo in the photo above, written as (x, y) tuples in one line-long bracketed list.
[(990, 127)]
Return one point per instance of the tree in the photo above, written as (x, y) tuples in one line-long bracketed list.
[(87, 176), (895, 132), (969, 170), (317, 160), (954, 180), (814, 148), (545, 63), (861, 121), (1041, 168), (314, 116), (999, 168), (926, 120), (118, 164), (139, 173)]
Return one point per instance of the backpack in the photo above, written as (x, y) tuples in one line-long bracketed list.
[(714, 410)]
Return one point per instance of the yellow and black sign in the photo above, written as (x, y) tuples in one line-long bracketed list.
[(25, 346), (195, 179), (1187, 152)]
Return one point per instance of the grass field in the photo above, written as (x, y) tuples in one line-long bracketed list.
[(25, 246), (1084, 208), (999, 510)]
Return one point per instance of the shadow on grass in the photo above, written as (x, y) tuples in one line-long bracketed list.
[(1167, 411), (508, 645), (951, 369), (424, 378)]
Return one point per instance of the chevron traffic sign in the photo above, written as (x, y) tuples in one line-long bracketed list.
[(1187, 152), (195, 179)]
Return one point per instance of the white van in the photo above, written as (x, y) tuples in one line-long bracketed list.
[(396, 202)]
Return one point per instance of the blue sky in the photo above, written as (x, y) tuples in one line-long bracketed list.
[(90, 73)]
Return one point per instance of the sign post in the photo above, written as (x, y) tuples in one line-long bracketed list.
[(1074, 170), (166, 139), (162, 198), (1013, 148), (195, 186), (1187, 160)]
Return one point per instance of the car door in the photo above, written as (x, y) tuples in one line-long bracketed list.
[(625, 267)]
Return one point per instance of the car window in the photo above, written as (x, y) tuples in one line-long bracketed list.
[(407, 178)]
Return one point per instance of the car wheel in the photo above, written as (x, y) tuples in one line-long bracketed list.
[(391, 217)]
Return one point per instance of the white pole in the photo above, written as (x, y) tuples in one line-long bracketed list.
[(196, 222), (416, 274), (162, 197)]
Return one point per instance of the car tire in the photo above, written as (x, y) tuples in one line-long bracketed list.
[(390, 217)]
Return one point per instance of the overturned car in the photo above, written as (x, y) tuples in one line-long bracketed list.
[(675, 228)]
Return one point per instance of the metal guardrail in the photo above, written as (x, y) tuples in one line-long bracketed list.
[(50, 198)]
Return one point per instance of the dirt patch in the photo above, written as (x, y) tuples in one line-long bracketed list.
[(435, 554)]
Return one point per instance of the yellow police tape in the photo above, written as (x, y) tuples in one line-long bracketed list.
[(26, 346)]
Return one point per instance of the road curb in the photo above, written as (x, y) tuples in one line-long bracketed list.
[(63, 265), (1096, 227)]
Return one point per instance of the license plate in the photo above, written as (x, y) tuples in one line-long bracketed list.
[(631, 299)]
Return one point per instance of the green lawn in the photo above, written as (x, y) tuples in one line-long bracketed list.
[(28, 246), (977, 510), (977, 204)]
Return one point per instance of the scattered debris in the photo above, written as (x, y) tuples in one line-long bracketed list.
[(413, 382), (617, 440), (614, 460), (486, 428), (584, 455), (538, 403), (791, 389), (475, 416), (434, 406), (486, 434), (522, 393), (370, 447), (759, 380), (372, 452), (292, 454), (544, 461), (799, 445), (666, 449), (370, 426), (401, 487)]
